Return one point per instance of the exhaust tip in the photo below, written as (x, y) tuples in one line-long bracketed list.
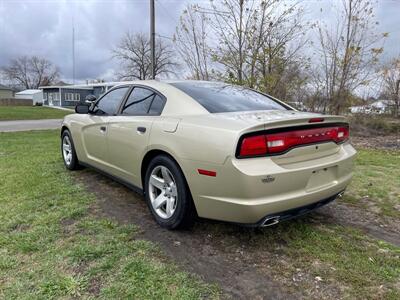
[(270, 221), (340, 195)]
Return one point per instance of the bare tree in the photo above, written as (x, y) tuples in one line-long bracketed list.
[(391, 82), (348, 53), (279, 39), (232, 23), (191, 40), (133, 52), (258, 44), (30, 72)]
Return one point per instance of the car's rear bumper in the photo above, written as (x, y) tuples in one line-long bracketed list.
[(254, 210), (248, 191), (276, 218)]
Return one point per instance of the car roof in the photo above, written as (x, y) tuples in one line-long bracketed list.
[(178, 103)]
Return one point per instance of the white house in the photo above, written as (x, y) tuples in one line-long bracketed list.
[(377, 107), (35, 95)]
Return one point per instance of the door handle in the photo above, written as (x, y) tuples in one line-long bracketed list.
[(141, 129), (103, 128)]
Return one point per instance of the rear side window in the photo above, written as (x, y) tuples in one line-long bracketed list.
[(143, 101), (157, 106), (219, 97)]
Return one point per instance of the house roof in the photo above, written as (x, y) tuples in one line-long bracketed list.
[(29, 92), (80, 86), (3, 87)]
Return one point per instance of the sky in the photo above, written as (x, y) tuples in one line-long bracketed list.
[(44, 28)]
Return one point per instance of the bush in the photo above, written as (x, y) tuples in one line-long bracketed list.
[(367, 125)]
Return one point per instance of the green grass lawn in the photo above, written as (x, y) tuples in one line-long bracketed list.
[(376, 182), (31, 113), (52, 247)]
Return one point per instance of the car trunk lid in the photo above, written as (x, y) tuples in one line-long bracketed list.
[(304, 124)]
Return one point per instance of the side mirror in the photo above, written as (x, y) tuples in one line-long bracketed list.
[(82, 109), (90, 99)]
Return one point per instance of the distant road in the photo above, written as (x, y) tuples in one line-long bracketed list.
[(26, 125)]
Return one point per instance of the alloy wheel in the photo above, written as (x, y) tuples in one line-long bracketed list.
[(67, 150), (163, 192)]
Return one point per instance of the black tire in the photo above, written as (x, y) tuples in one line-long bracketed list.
[(73, 163), (185, 213)]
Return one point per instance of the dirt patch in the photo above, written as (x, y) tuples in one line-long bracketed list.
[(379, 227), (388, 142), (232, 256), (195, 250)]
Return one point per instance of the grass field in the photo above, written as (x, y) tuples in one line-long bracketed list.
[(8, 113), (376, 182), (52, 246)]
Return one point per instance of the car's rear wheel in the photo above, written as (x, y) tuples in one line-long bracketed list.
[(68, 151), (167, 194)]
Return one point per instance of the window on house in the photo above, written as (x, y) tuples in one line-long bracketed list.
[(77, 97), (53, 96)]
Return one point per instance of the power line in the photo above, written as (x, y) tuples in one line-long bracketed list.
[(167, 13)]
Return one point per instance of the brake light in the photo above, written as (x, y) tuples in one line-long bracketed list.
[(316, 120), (253, 146), (278, 143)]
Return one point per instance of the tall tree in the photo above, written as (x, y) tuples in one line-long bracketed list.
[(276, 56), (133, 52), (258, 43), (191, 40), (391, 82), (232, 23), (348, 53), (30, 72)]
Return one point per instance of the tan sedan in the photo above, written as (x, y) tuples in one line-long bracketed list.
[(211, 149)]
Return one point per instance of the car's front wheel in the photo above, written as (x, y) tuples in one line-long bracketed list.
[(68, 151), (167, 194)]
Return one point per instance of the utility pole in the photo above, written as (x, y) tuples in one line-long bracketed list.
[(152, 40)]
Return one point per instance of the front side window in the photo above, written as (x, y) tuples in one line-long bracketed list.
[(108, 105), (219, 97), (143, 101)]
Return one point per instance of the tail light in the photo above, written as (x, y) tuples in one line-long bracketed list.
[(280, 142)]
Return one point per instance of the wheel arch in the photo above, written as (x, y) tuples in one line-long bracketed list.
[(156, 152), (63, 128), (149, 156)]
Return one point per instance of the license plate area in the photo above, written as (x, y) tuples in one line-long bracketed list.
[(322, 178)]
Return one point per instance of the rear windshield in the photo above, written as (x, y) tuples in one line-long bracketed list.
[(219, 97)]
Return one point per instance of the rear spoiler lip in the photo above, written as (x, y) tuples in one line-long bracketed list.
[(284, 129), (293, 122)]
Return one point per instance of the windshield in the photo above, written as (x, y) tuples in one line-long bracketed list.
[(219, 97)]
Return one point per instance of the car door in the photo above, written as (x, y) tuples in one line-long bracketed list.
[(95, 133), (129, 131)]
